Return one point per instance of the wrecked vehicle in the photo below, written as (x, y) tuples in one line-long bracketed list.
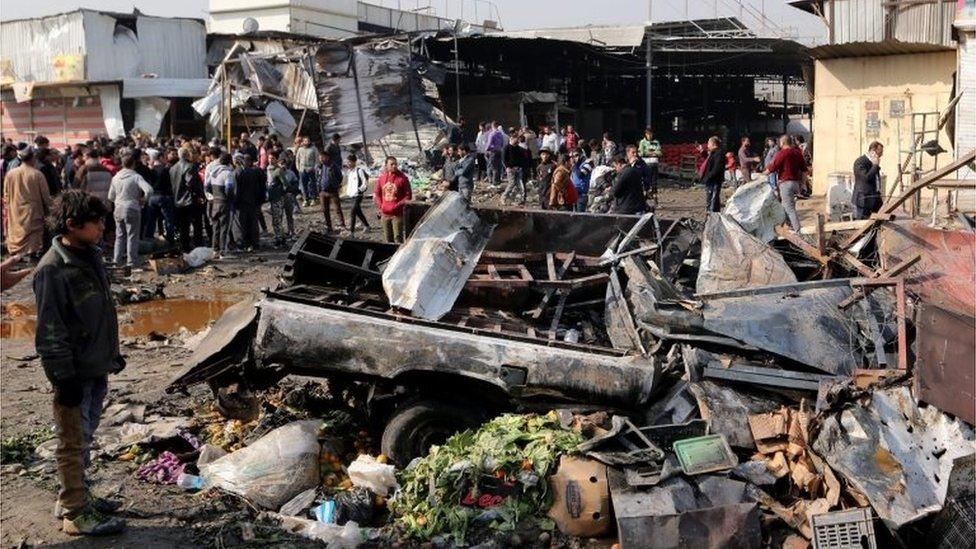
[(523, 329)]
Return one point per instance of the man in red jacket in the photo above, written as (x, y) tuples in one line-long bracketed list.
[(789, 167), (391, 193)]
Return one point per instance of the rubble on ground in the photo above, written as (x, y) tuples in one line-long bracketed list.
[(731, 389)]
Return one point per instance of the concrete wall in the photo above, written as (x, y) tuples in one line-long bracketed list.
[(848, 91)]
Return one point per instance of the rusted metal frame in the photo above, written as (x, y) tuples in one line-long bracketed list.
[(900, 312), (890, 273), (336, 264), (892, 205), (641, 250), (367, 257), (821, 237), (537, 312), (574, 283), (554, 325), (502, 258)]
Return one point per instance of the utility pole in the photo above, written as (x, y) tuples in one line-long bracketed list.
[(647, 63), (457, 73)]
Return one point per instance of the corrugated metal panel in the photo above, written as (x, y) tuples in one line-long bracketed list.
[(930, 23), (868, 49), (172, 48), (857, 20), (165, 87), (111, 55), (621, 36), (31, 44)]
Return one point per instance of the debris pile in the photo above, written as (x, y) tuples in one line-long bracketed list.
[(729, 384)]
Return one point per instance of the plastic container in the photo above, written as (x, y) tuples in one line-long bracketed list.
[(190, 482), (326, 512)]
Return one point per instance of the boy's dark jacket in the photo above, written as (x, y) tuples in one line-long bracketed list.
[(77, 327)]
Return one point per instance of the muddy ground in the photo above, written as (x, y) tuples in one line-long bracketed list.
[(159, 516)]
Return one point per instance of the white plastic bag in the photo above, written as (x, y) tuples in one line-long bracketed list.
[(272, 470), (366, 472), (198, 256)]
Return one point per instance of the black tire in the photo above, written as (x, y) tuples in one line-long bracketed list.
[(416, 427)]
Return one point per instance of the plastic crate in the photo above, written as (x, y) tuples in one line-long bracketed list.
[(852, 529)]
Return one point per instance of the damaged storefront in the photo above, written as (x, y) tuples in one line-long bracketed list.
[(86, 74), (361, 89)]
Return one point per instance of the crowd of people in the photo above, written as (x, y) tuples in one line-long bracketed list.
[(191, 193), (561, 163)]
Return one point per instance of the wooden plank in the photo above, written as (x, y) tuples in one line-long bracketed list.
[(367, 258), (493, 272), (551, 266), (836, 226), (804, 246)]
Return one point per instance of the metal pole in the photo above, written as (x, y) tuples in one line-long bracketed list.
[(647, 64), (457, 77), (786, 103)]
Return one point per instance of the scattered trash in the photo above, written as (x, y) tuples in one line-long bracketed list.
[(198, 257), (354, 505), (168, 265), (272, 470), (166, 469), (299, 503), (367, 472)]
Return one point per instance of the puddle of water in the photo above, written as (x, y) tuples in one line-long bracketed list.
[(165, 316)]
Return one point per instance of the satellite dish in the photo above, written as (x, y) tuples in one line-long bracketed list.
[(250, 25)]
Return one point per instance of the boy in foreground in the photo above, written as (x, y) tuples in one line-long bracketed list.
[(78, 342)]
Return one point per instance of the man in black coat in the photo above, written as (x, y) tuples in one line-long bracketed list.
[(251, 187), (713, 175), (628, 188), (867, 198)]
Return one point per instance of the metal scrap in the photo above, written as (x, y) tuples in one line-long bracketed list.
[(428, 272), (704, 511), (731, 258), (898, 454)]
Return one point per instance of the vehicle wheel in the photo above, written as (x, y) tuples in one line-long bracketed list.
[(236, 402), (415, 428)]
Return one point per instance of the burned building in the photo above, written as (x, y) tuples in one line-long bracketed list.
[(703, 76), (87, 73)]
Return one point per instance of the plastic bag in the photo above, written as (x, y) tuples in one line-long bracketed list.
[(369, 473), (198, 256), (354, 506), (272, 470), (333, 535)]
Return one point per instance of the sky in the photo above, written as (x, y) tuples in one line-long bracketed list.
[(512, 14)]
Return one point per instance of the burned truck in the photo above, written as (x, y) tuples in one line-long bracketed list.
[(482, 310)]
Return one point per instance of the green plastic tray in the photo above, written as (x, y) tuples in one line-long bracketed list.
[(704, 454)]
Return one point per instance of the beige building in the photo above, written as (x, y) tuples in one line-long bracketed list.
[(884, 65), (858, 100)]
